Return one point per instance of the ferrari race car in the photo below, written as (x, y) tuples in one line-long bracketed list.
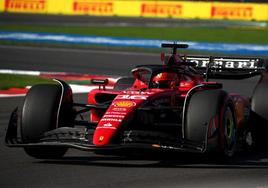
[(168, 107)]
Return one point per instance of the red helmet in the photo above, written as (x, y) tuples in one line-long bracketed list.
[(165, 79), (165, 76)]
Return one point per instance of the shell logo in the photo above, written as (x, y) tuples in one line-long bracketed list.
[(124, 104)]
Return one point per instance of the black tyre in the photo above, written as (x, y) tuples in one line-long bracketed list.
[(124, 83), (228, 131), (259, 114), (46, 107), (259, 101), (202, 108)]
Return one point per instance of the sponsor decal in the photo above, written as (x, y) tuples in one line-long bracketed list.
[(117, 113), (25, 5), (106, 128), (101, 138), (111, 119), (149, 9), (132, 97), (107, 125), (119, 109), (138, 92), (232, 12), (91, 7), (226, 63), (126, 104), (113, 116)]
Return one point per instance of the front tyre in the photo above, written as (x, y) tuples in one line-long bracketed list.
[(46, 107)]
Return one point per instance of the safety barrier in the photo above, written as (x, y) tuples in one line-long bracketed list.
[(149, 8)]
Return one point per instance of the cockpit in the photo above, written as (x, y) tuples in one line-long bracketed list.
[(154, 76)]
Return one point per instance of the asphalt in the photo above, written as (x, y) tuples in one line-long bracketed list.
[(83, 169), (72, 60)]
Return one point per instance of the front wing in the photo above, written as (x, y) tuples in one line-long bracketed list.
[(81, 138)]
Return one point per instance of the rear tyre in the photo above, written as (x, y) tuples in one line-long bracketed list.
[(46, 107), (259, 114), (259, 102), (228, 133), (208, 110)]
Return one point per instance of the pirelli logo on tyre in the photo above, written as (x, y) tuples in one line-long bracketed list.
[(92, 7), (232, 12), (161, 10), (25, 5)]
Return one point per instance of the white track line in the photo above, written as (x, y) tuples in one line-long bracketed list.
[(21, 72), (11, 95), (77, 89)]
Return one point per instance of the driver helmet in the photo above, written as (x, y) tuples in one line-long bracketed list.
[(166, 80)]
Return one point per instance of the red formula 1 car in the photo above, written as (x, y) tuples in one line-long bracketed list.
[(169, 107)]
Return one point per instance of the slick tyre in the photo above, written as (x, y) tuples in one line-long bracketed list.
[(228, 131), (259, 102), (44, 109), (207, 109), (259, 115)]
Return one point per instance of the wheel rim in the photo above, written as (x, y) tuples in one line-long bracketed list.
[(229, 132)]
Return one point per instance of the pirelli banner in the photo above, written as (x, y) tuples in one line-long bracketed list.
[(158, 9)]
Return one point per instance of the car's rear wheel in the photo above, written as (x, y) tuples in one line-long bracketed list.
[(259, 114), (228, 131), (46, 107), (209, 111)]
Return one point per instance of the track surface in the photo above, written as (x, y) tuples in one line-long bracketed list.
[(82, 169)]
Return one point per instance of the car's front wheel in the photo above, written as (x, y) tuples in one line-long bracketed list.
[(46, 107)]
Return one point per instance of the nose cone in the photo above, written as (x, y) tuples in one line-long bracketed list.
[(120, 110), (112, 120), (102, 136)]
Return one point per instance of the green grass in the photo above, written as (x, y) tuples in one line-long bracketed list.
[(208, 34), (20, 81)]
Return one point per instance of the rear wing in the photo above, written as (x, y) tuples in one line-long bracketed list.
[(227, 67), (216, 66)]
